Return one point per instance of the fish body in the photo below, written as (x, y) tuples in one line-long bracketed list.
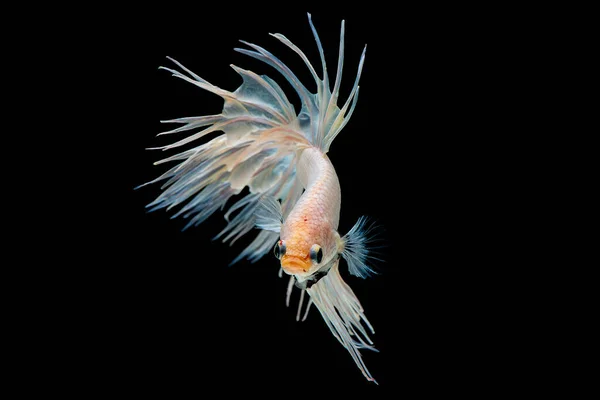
[(315, 218), (294, 197)]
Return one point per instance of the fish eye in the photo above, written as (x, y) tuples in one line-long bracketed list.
[(279, 249), (316, 253)]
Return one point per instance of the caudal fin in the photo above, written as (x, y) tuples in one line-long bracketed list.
[(262, 138)]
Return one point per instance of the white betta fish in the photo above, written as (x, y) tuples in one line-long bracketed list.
[(294, 192)]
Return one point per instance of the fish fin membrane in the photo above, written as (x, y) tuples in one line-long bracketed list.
[(344, 316), (358, 248)]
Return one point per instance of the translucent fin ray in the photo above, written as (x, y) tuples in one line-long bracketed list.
[(269, 215), (344, 315), (357, 248), (321, 120), (288, 295)]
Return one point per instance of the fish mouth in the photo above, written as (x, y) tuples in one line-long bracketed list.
[(293, 265)]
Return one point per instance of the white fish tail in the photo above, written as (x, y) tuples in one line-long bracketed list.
[(262, 137)]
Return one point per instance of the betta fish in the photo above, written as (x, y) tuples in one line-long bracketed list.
[(293, 197)]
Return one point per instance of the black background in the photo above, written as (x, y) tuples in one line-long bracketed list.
[(423, 155)]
